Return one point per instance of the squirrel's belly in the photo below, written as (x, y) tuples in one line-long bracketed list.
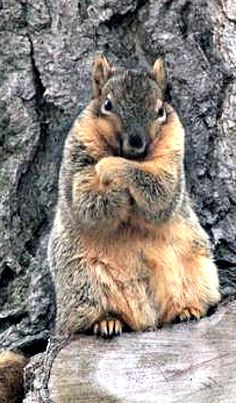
[(126, 278)]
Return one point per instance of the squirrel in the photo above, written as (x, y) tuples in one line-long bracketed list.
[(11, 377), (126, 248)]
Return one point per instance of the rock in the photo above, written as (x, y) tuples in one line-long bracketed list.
[(46, 48)]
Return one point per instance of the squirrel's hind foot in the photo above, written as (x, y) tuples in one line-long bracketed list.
[(108, 327), (189, 314)]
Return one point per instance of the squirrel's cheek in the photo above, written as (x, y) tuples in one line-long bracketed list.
[(154, 129)]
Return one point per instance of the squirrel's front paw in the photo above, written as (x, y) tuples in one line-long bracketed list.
[(110, 169)]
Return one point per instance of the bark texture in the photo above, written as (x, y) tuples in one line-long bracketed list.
[(46, 48)]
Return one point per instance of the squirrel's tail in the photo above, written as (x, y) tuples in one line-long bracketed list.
[(11, 377)]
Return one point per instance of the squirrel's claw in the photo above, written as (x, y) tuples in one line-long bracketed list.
[(108, 328), (190, 314)]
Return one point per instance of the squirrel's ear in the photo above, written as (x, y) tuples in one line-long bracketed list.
[(102, 71), (158, 73)]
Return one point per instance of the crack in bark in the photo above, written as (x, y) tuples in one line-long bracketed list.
[(38, 84), (183, 26), (119, 19), (40, 102)]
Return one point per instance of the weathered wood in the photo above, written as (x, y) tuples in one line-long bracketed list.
[(194, 362)]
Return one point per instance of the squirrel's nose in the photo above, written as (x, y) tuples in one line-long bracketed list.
[(134, 146), (136, 142)]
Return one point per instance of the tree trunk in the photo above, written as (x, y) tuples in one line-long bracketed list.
[(46, 48)]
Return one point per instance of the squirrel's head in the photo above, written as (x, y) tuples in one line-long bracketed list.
[(133, 104)]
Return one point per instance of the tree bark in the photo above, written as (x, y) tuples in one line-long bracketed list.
[(46, 49)]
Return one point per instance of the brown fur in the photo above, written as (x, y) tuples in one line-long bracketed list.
[(126, 244), (11, 377)]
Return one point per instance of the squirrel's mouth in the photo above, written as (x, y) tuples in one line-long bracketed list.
[(134, 155)]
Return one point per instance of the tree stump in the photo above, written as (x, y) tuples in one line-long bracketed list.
[(193, 362)]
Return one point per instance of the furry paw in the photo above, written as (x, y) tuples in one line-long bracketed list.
[(108, 328), (110, 169), (190, 314)]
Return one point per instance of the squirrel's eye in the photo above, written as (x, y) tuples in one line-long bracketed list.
[(161, 115), (108, 105)]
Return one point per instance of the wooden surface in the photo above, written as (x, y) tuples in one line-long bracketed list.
[(193, 362)]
